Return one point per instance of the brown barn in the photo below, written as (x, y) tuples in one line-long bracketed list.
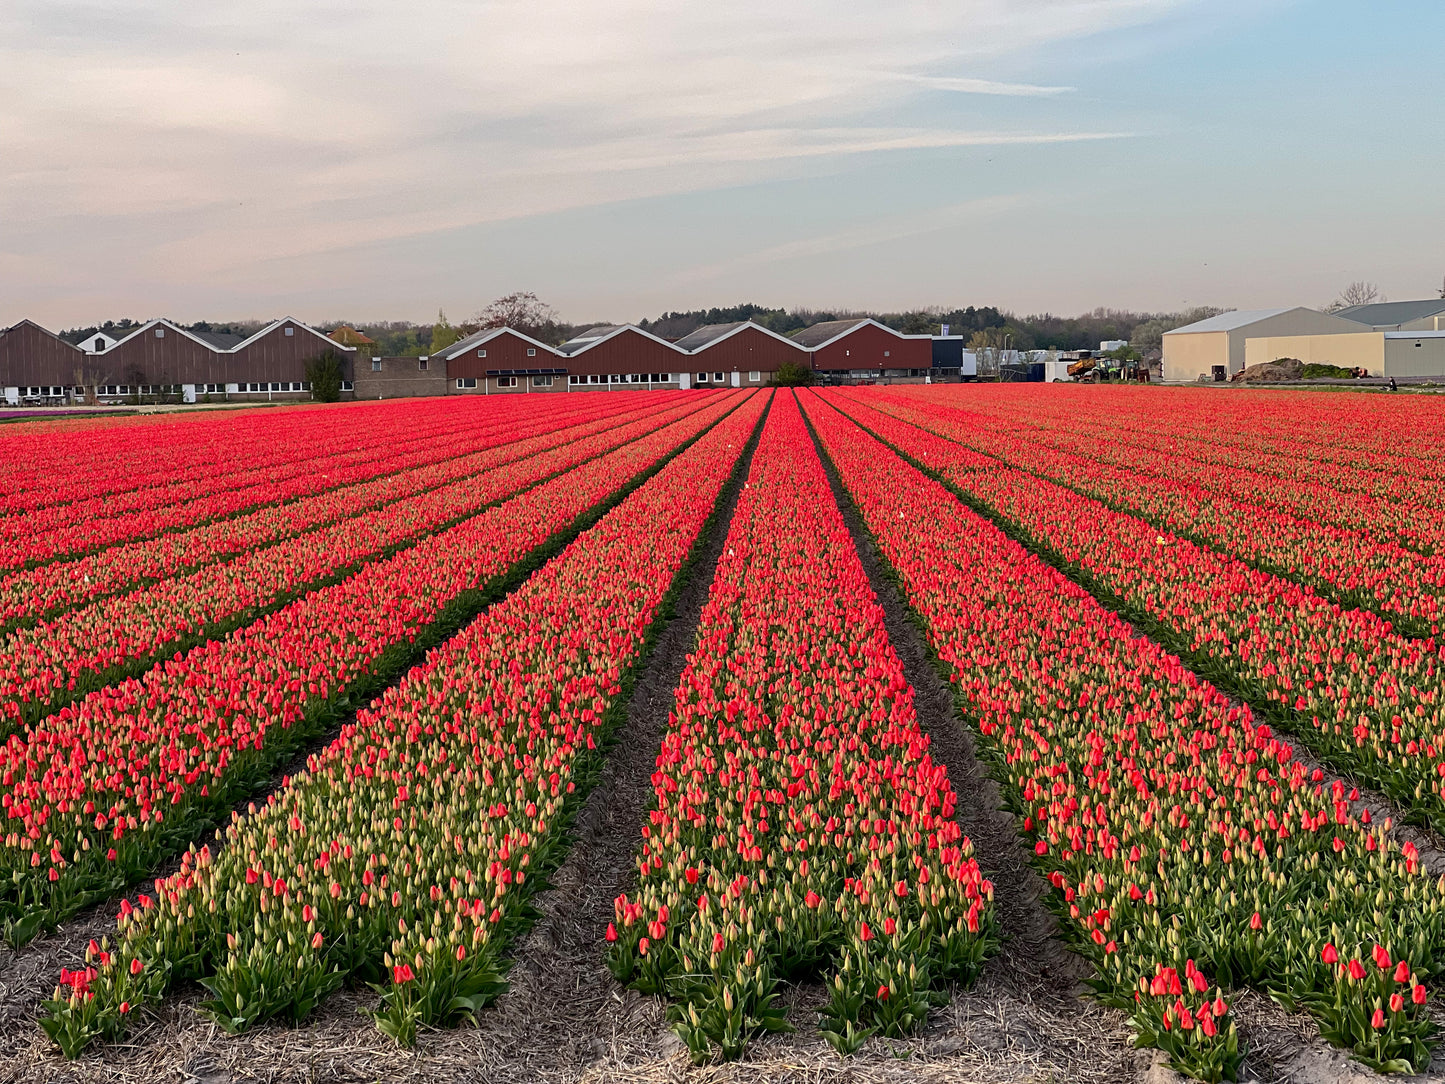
[(745, 348), (159, 354), (615, 355), (36, 364), (865, 349), (501, 360), (280, 353)]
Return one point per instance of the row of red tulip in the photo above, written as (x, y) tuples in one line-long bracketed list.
[(61, 585), (157, 506), (184, 456), (1368, 700), (1404, 507), (1346, 439), (98, 793), (1190, 850), (408, 849), (800, 827), (54, 662), (67, 530), (1350, 566)]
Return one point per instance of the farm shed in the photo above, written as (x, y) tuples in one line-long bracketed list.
[(35, 363), (1399, 315), (281, 353), (1381, 353), (743, 347), (500, 360), (163, 358), (620, 354), (865, 349), (1215, 348)]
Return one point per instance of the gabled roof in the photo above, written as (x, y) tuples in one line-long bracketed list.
[(477, 338), (150, 324), (825, 332), (222, 343), (598, 335), (274, 324), (709, 334), (1390, 313), (1231, 321), (831, 330), (43, 330), (347, 335)]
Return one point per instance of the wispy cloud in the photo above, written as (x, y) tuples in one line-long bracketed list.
[(167, 142), (962, 85)]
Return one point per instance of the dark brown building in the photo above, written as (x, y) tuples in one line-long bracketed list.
[(161, 360), (501, 361), (745, 348), (622, 354), (35, 364), (866, 349), (281, 353)]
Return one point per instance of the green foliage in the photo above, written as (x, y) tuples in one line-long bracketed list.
[(793, 374), (442, 333), (324, 375), (1315, 370)]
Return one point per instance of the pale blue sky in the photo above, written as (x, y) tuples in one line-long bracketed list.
[(373, 160)]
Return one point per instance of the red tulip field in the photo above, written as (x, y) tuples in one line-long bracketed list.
[(916, 733)]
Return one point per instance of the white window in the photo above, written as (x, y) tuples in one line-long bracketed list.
[(755, 376), (702, 378), (664, 377), (541, 381), (481, 353), (506, 381), (574, 379), (422, 364), (347, 385), (276, 386), (466, 382), (886, 353), (290, 331), (531, 351), (160, 333), (376, 365), (717, 378)]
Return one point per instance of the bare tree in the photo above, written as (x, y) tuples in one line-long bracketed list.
[(522, 311), (1356, 293)]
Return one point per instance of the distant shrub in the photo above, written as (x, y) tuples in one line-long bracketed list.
[(324, 374), (793, 374)]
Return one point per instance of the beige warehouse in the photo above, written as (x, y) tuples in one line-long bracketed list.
[(1381, 353), (1214, 349)]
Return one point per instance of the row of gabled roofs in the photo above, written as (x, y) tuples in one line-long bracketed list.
[(161, 351), (808, 339), (805, 341)]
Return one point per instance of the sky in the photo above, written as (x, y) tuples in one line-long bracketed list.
[(372, 160)]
